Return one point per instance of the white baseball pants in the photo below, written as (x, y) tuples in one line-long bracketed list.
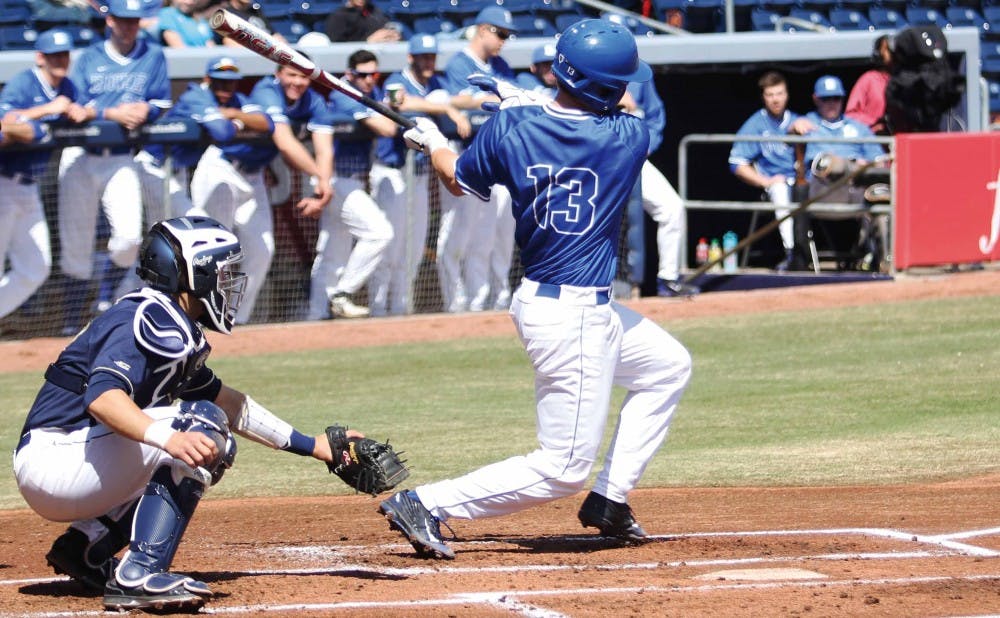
[(579, 348), (162, 197), (24, 242), (781, 195), (666, 208)]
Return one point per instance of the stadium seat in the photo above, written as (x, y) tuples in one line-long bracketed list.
[(15, 14), (518, 6), (990, 68), (308, 12), (989, 51), (430, 24), (289, 28), (896, 5), (637, 27), (937, 5), (918, 15), (820, 6), (550, 9), (849, 19), (17, 38), (994, 89), (703, 15), (886, 19), (565, 20), (276, 9), (961, 16), (83, 36), (763, 20), (814, 17), (530, 26), (781, 7)]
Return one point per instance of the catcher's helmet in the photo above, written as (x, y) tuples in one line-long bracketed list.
[(595, 61), (197, 255)]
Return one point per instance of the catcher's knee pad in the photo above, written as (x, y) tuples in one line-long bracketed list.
[(161, 516), (207, 418)]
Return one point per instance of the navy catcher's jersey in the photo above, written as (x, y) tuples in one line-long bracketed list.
[(105, 78), (27, 89), (392, 150), (199, 104), (770, 158), (353, 156), (144, 345), (568, 185), (269, 97), (844, 127)]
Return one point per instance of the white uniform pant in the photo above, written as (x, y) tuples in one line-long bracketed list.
[(666, 208), (579, 349), (780, 194), (353, 236), (162, 197), (87, 181), (390, 290), (83, 474), (24, 242), (238, 201)]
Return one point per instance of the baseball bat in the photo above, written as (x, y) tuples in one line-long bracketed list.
[(770, 226), (256, 40)]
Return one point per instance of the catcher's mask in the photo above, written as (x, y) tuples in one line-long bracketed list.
[(197, 255)]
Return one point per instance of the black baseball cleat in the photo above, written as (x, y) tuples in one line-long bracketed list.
[(676, 288), (613, 519), (160, 592), (407, 515), (68, 556)]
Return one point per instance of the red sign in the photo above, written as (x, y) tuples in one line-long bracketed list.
[(947, 206)]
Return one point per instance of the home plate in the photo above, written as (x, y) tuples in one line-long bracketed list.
[(761, 575)]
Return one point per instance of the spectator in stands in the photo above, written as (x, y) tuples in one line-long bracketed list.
[(354, 232), (228, 183), (539, 77), (183, 24), (866, 104), (24, 235), (419, 91), (250, 11), (123, 80), (360, 20), (476, 243), (771, 165)]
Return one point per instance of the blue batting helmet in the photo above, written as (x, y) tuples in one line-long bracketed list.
[(595, 60)]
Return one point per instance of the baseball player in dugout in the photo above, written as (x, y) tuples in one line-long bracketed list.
[(353, 230), (35, 95), (228, 183), (123, 80), (583, 157), (131, 427)]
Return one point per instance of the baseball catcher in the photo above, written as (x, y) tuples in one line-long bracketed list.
[(363, 463)]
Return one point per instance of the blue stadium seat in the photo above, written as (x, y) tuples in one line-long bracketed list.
[(565, 20), (994, 90), (886, 19), (17, 38), (937, 5), (289, 28), (963, 16), (990, 68), (275, 9), (530, 26), (83, 36), (309, 12), (918, 15), (550, 9), (820, 6), (896, 5), (430, 24), (781, 7), (814, 17), (849, 19), (518, 6), (991, 13), (763, 20), (703, 15), (989, 51), (633, 24), (15, 14)]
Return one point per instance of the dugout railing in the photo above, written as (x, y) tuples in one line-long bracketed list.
[(763, 205)]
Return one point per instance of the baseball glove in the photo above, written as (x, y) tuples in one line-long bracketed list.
[(363, 463)]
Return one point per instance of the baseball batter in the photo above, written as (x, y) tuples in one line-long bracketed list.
[(40, 94), (228, 183), (570, 165), (123, 79), (131, 426)]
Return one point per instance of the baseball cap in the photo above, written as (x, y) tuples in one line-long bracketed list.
[(126, 9), (496, 16), (544, 53), (54, 41), (223, 67), (423, 44), (828, 86)]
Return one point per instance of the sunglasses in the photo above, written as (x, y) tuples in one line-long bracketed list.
[(363, 74), (830, 99), (503, 35)]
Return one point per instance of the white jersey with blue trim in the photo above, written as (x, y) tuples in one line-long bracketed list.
[(105, 78), (570, 174)]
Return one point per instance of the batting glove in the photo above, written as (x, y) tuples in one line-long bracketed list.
[(425, 137), (510, 95)]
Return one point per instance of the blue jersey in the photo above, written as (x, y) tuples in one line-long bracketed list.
[(845, 127), (770, 158), (570, 174), (268, 96), (144, 345), (27, 89), (105, 78), (353, 156), (464, 64), (199, 104), (654, 114), (392, 150), (194, 32)]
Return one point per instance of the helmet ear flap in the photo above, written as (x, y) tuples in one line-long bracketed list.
[(160, 262)]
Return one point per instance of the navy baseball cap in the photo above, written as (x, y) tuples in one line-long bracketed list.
[(128, 9), (423, 44), (829, 86), (54, 41), (496, 16), (223, 67), (544, 53)]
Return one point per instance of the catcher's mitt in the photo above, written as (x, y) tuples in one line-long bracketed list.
[(363, 463)]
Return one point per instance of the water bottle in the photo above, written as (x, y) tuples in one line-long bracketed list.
[(714, 253), (728, 244), (701, 252)]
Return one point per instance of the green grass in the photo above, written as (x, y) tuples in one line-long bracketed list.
[(901, 392)]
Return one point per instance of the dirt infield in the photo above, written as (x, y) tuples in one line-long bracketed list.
[(928, 550)]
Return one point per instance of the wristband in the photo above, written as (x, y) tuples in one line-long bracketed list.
[(158, 433)]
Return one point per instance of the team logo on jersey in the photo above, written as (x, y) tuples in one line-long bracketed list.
[(123, 365)]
